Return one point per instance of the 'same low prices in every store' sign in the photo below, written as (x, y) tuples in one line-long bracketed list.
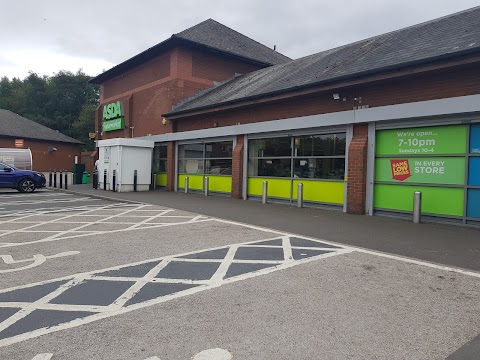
[(430, 170)]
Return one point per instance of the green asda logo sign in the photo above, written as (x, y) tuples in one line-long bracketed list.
[(113, 111)]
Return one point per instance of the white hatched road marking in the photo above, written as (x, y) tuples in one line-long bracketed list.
[(118, 306), (210, 354), (77, 231)]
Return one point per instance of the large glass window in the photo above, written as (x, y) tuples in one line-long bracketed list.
[(312, 157), (159, 161), (213, 158)]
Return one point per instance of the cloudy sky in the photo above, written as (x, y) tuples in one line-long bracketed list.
[(94, 35)]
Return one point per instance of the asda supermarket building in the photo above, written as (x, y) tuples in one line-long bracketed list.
[(362, 126)]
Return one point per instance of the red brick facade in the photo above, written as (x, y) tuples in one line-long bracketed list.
[(151, 89), (44, 160), (357, 170), (237, 168)]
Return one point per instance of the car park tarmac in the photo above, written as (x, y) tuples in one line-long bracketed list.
[(116, 280)]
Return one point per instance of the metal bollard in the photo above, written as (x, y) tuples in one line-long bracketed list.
[(105, 179), (300, 196), (95, 179), (50, 178), (417, 207), (134, 180), (66, 179), (186, 184), (114, 180), (154, 181), (205, 185), (54, 178), (61, 178), (265, 192)]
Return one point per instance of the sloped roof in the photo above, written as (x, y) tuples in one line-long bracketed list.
[(447, 37), (210, 35), (14, 125)]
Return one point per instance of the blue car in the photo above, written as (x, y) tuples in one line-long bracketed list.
[(25, 181)]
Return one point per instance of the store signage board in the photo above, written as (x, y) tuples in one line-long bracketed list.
[(422, 170), (113, 110), (111, 125), (113, 117), (422, 141)]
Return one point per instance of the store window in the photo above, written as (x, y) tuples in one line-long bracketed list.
[(213, 158), (300, 157), (159, 161)]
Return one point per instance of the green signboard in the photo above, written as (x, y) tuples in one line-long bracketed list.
[(422, 141), (424, 170), (111, 125), (113, 110), (113, 117)]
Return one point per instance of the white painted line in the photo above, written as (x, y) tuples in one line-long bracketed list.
[(287, 248), (225, 264), (135, 288), (54, 238), (43, 357), (359, 249), (105, 312), (214, 354)]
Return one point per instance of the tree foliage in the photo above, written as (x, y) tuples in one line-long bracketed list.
[(65, 102)]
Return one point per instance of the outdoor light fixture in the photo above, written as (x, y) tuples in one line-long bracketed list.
[(164, 121), (336, 96), (52, 149)]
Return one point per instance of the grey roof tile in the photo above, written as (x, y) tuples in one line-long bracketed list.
[(216, 36), (452, 35), (208, 34), (13, 125)]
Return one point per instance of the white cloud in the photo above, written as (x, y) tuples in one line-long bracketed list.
[(48, 36)]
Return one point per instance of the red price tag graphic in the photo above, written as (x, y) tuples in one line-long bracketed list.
[(400, 169)]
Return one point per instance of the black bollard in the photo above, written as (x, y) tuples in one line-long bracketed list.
[(54, 178), (114, 180), (66, 180), (95, 179), (134, 180), (105, 179), (61, 179), (50, 178)]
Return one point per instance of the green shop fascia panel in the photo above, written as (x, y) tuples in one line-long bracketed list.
[(435, 200), (398, 167), (161, 179), (221, 184), (331, 192)]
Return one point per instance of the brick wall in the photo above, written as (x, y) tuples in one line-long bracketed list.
[(357, 170), (151, 89), (237, 168), (459, 81), (42, 159), (155, 69)]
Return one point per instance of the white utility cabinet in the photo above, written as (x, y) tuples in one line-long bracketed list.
[(125, 156)]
